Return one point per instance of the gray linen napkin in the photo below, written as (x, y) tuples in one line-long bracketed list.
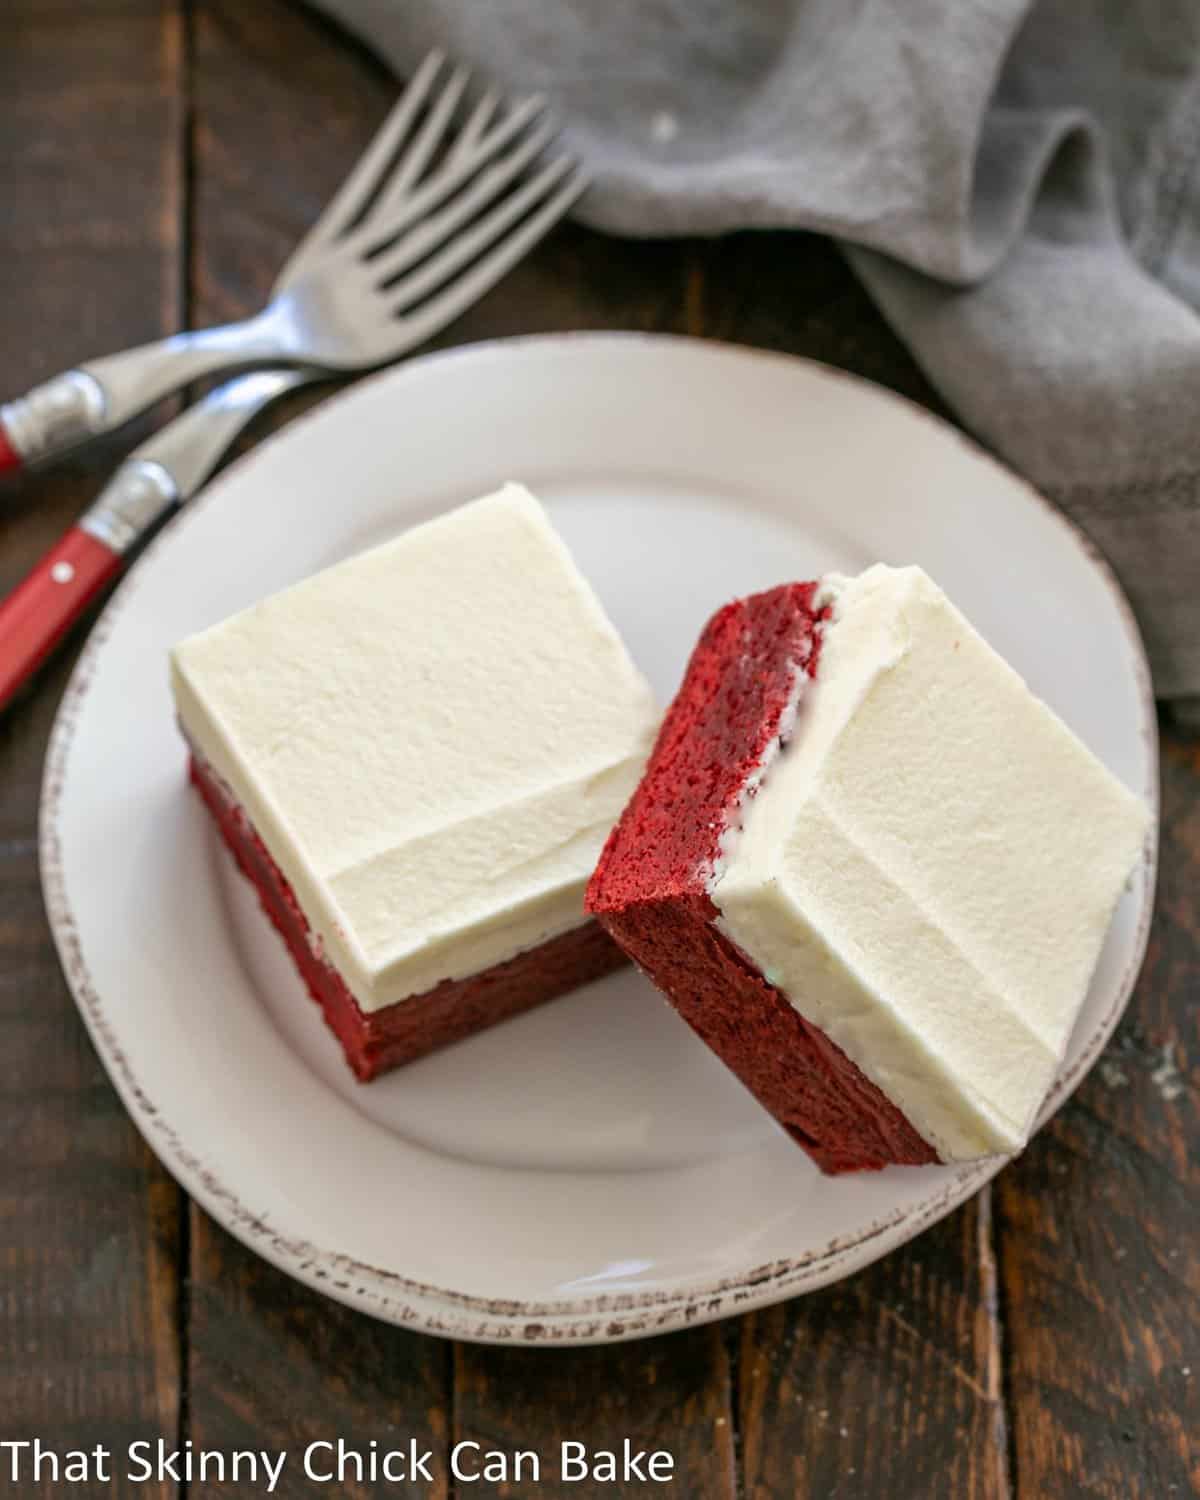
[(1013, 180)]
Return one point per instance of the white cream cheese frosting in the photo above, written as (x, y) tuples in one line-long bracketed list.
[(432, 739), (928, 869)]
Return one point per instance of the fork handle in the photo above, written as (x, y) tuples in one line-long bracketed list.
[(105, 393), (38, 614), (10, 459)]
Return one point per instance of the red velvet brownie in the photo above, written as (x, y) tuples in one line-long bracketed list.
[(377, 1041), (415, 756), (854, 814)]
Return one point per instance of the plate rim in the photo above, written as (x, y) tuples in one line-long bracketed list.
[(607, 1317)]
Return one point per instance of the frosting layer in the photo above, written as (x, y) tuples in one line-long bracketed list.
[(929, 867), (432, 739)]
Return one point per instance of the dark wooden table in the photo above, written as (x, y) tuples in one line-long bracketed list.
[(157, 160)]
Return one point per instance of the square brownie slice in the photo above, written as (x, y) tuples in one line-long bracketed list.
[(871, 870), (416, 756)]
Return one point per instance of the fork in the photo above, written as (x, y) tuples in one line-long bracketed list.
[(393, 217), (396, 255)]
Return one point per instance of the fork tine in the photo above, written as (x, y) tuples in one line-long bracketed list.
[(432, 231), (396, 209), (505, 254), (430, 136), (435, 315), (481, 118), (355, 193)]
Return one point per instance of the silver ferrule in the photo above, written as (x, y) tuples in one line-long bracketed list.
[(54, 416), (139, 493)]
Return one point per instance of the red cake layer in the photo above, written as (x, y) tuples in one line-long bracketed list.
[(650, 887), (377, 1041)]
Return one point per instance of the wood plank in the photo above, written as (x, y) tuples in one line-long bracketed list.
[(91, 168), (667, 1395), (275, 1367), (886, 1384), (1099, 1221), (263, 172), (796, 293)]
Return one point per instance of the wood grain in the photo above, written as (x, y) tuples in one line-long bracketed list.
[(796, 293), (276, 1367), (670, 1395), (886, 1384), (1099, 1223), (90, 175)]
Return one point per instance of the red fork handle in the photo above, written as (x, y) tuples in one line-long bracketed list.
[(10, 459), (40, 611)]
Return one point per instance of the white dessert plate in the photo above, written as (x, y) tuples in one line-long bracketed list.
[(587, 1172)]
